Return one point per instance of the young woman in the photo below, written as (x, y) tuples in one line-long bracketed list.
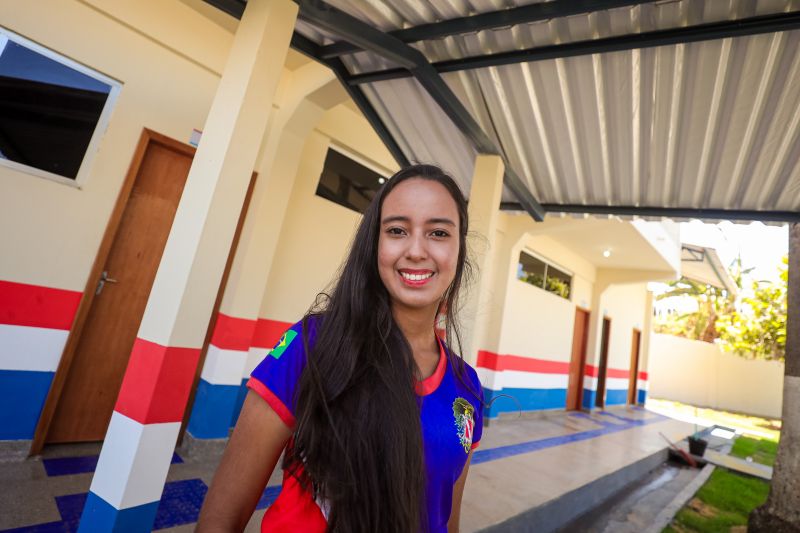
[(377, 416)]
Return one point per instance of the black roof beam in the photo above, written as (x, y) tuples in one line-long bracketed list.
[(668, 212), (308, 47), (488, 21), (686, 34), (367, 37)]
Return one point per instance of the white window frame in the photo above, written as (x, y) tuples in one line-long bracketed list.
[(102, 121), (548, 263)]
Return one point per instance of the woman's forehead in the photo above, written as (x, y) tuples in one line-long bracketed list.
[(418, 198)]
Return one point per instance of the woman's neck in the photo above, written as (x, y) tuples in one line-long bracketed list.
[(417, 326)]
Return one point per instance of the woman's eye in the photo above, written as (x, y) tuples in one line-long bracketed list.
[(395, 231), (440, 233)]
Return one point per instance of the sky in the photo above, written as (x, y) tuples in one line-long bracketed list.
[(761, 246)]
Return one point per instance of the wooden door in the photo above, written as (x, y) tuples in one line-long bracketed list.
[(101, 353), (602, 370), (634, 372), (577, 363)]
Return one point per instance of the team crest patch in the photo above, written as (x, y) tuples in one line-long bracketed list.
[(465, 421), (284, 343)]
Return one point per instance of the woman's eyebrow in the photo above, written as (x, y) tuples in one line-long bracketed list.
[(401, 218)]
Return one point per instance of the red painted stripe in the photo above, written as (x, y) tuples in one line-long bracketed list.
[(496, 362), (594, 371), (277, 405), (475, 445), (231, 333), (36, 306), (493, 361), (643, 376), (268, 332), (156, 385)]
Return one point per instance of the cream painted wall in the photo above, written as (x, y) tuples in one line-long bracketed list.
[(166, 87), (536, 323), (699, 373), (625, 305)]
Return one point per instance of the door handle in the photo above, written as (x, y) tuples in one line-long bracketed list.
[(103, 280)]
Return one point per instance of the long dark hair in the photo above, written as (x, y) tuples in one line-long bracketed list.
[(357, 444)]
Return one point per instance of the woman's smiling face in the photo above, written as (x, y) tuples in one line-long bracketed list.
[(418, 244)]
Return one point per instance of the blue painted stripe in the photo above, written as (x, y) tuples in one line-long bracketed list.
[(213, 410), (616, 396), (22, 396), (99, 515), (502, 452), (514, 400), (614, 415), (642, 397), (66, 466)]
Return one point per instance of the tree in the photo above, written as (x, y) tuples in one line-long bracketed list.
[(781, 512), (712, 303), (757, 326)]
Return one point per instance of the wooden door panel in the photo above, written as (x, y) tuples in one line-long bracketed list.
[(577, 364), (95, 376), (634, 368)]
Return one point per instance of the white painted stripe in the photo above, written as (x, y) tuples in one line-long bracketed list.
[(641, 384), (134, 461), (534, 380), (616, 383), (224, 367), (254, 357), (498, 380), (589, 382), (31, 348)]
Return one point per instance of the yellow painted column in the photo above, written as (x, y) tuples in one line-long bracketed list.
[(229, 358), (139, 443), (484, 209)]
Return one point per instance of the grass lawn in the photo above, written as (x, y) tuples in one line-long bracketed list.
[(761, 450), (725, 501)]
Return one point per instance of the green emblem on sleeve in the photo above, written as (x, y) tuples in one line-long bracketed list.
[(284, 343)]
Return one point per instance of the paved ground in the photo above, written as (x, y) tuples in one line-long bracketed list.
[(521, 464)]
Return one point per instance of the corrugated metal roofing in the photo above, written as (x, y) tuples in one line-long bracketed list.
[(713, 124)]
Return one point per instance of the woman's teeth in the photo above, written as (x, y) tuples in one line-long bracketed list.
[(416, 277)]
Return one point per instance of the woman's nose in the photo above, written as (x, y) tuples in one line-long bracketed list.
[(416, 248)]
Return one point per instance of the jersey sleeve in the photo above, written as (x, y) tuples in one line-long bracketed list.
[(275, 378)]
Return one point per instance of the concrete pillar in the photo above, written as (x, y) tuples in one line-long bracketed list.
[(484, 209), (138, 447), (229, 359)]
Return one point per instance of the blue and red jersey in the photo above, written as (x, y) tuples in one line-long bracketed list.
[(451, 417)]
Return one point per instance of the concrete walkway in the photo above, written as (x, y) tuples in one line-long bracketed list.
[(528, 474)]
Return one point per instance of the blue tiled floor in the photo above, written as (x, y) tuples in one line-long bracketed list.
[(180, 504)]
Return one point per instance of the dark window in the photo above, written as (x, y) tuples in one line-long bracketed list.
[(543, 275), (347, 182), (48, 110)]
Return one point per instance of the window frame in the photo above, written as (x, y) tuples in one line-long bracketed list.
[(547, 263), (102, 121)]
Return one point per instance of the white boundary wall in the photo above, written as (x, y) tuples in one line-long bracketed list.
[(700, 373)]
